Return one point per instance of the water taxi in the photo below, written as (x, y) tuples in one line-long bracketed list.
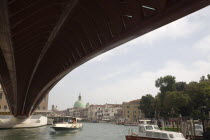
[(66, 123), (152, 132)]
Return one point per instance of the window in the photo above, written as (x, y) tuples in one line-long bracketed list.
[(128, 111), (44, 108), (156, 134), (0, 96), (128, 116), (149, 128), (5, 106), (128, 107), (171, 136), (198, 127), (164, 136), (156, 127), (149, 134), (0, 106), (38, 107), (141, 129)]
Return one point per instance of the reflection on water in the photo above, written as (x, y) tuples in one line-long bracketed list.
[(90, 131)]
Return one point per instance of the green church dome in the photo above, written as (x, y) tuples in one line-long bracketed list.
[(79, 103), (87, 105)]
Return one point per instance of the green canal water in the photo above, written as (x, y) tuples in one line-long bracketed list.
[(90, 131)]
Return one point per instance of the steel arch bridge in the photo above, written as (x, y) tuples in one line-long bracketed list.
[(43, 40)]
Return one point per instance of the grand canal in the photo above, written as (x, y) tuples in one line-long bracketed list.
[(90, 131)]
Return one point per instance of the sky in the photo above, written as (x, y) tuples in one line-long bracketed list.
[(129, 71)]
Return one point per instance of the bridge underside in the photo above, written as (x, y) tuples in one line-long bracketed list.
[(43, 40)]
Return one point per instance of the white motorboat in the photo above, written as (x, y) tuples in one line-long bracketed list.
[(152, 132), (198, 132), (66, 123)]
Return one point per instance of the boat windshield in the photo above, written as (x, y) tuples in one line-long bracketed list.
[(198, 127), (171, 135), (156, 127), (148, 127)]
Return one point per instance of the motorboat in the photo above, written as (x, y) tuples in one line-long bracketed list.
[(66, 123), (152, 132), (198, 132)]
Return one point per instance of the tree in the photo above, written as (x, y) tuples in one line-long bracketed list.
[(180, 86), (203, 78), (147, 105), (208, 76), (166, 83), (176, 103)]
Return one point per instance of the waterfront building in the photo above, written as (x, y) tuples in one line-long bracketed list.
[(4, 108), (43, 106), (131, 111), (54, 108), (111, 111), (94, 112)]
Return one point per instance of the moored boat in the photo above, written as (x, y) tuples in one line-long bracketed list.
[(66, 123), (152, 132), (198, 132)]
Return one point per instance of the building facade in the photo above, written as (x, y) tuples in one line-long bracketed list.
[(111, 111), (95, 112), (131, 111), (4, 108)]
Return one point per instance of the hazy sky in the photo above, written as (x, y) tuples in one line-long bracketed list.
[(181, 49)]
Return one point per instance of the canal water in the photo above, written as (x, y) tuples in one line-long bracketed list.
[(90, 131)]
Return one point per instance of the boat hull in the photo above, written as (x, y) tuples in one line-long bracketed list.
[(63, 128), (141, 138), (67, 126), (196, 137)]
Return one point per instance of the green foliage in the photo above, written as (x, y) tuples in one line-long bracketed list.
[(180, 86), (177, 98), (147, 105), (166, 83), (174, 102)]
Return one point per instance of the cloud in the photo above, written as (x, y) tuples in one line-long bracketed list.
[(203, 45), (119, 71), (144, 83)]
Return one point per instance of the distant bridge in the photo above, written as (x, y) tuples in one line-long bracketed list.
[(43, 40)]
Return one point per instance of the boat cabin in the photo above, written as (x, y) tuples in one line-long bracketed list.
[(153, 131), (66, 123), (145, 121), (66, 119)]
